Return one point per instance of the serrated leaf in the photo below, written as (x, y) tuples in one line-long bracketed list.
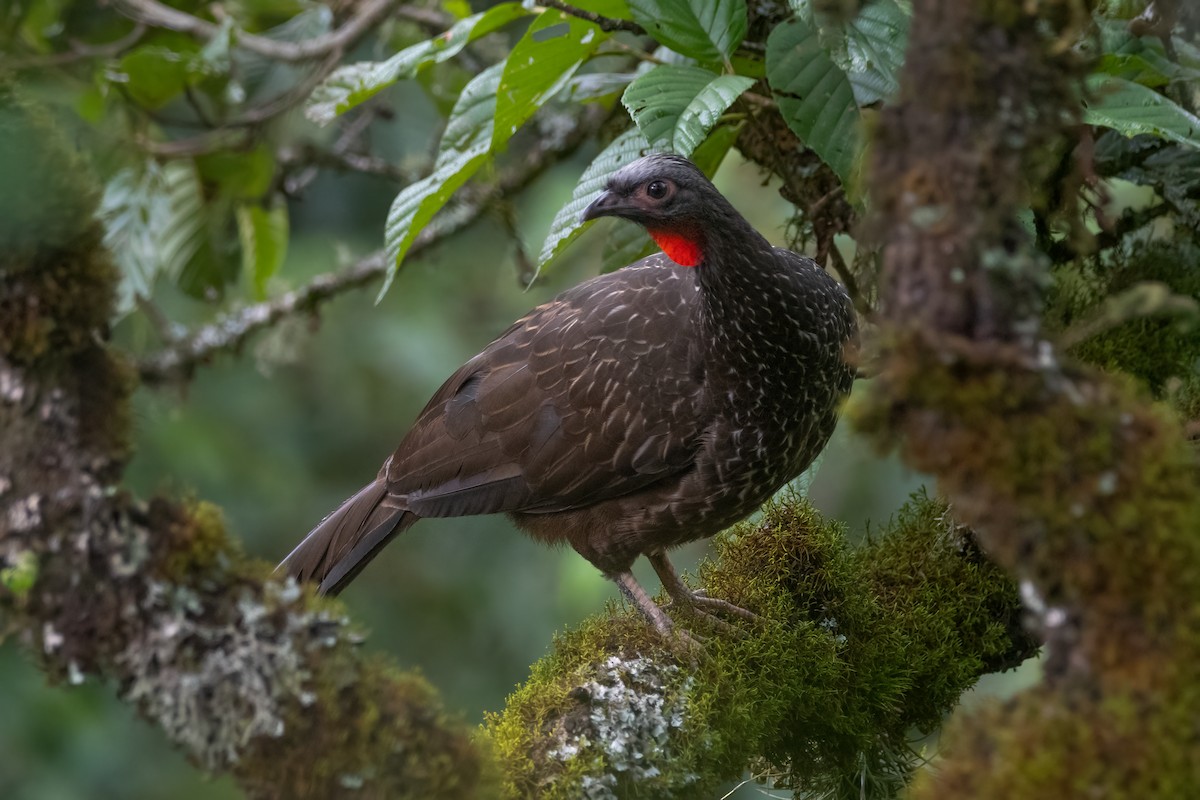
[(625, 244), (814, 95), (712, 151), (1124, 53), (876, 40), (705, 109), (472, 118), (263, 234), (539, 66), (354, 84), (153, 225), (676, 107), (708, 30), (625, 149), (465, 147), (594, 86), (1130, 109)]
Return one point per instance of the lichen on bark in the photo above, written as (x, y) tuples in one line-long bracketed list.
[(246, 674)]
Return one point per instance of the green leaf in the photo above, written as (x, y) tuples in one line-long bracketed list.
[(595, 86), (625, 149), (354, 84), (263, 235), (1142, 59), (539, 66), (875, 43), (242, 175), (814, 95), (624, 244), (708, 30), (711, 153), (154, 225), (153, 75), (676, 107), (472, 118), (465, 147), (1130, 109)]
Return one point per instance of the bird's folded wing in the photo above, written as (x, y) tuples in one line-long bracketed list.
[(592, 395)]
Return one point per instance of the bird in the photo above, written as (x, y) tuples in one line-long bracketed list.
[(642, 409)]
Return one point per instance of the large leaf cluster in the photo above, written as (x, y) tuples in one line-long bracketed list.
[(688, 84)]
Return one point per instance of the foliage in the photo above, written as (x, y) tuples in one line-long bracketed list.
[(196, 134)]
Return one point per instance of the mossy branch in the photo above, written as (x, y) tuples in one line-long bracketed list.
[(246, 674), (257, 678), (1074, 481), (856, 647)]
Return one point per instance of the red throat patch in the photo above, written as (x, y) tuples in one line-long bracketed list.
[(681, 248)]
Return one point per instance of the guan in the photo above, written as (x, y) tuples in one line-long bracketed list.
[(637, 411)]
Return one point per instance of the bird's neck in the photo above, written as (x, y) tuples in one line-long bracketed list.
[(744, 312)]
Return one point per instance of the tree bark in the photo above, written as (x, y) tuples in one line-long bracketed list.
[(1081, 488)]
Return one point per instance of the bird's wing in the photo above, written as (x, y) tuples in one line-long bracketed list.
[(595, 394)]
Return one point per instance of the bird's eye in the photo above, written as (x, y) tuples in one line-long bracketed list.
[(657, 190)]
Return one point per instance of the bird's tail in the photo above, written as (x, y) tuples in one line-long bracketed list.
[(344, 542)]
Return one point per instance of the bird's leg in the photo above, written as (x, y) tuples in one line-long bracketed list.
[(634, 592), (696, 599)]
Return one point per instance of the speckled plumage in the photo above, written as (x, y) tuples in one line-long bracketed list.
[(632, 413)]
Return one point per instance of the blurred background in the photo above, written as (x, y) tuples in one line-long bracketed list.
[(282, 432)]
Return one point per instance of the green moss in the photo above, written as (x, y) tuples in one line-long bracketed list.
[(1161, 351), (197, 542), (1048, 745), (1065, 475), (1087, 490), (854, 647), (367, 731), (56, 280)]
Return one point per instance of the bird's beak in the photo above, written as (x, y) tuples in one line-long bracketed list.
[(606, 205)]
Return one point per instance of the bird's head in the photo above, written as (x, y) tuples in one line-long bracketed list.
[(666, 194)]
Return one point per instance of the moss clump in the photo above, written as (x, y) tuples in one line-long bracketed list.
[(1161, 351), (1089, 492), (56, 280), (1047, 745), (196, 545), (358, 727), (854, 647), (1074, 481)]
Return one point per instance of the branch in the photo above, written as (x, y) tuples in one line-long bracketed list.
[(158, 15), (246, 674), (78, 52), (1074, 483), (229, 333), (607, 24), (236, 133)]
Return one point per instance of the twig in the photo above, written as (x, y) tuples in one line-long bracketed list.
[(157, 15), (310, 157), (236, 132), (607, 24), (231, 331), (78, 52), (1145, 299), (1062, 251), (849, 281)]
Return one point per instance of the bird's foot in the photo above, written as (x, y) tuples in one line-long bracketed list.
[(696, 602), (634, 592)]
